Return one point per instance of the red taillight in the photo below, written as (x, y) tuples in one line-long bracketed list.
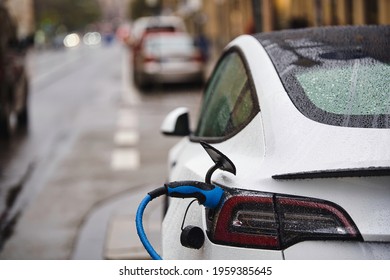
[(272, 221), (150, 58), (198, 57)]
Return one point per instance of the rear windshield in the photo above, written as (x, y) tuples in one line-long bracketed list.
[(170, 44), (338, 76)]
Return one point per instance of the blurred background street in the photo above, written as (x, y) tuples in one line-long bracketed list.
[(71, 181), (89, 141)]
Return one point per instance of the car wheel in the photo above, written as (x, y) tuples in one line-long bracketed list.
[(138, 79), (8, 123), (23, 116)]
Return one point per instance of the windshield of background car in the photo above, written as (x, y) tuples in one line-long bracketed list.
[(169, 44), (229, 101), (338, 76)]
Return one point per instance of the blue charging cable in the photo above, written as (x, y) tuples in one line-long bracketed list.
[(207, 194)]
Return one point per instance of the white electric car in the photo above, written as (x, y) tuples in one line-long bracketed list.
[(304, 116)]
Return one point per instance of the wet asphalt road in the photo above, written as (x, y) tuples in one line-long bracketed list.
[(85, 116)]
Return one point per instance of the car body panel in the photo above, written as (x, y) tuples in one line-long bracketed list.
[(336, 250), (141, 25), (173, 72)]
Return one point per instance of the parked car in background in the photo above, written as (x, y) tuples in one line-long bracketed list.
[(142, 28), (13, 77), (144, 25), (168, 57), (304, 115), (155, 24)]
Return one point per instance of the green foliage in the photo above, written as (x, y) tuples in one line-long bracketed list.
[(140, 8), (67, 14)]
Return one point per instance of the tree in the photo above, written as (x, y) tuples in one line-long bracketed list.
[(71, 15), (141, 8)]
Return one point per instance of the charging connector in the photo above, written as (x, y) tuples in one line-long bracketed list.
[(207, 194)]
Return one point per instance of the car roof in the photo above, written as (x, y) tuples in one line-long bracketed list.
[(337, 36), (293, 142), (167, 34), (156, 22)]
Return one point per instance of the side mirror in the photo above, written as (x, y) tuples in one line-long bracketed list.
[(176, 123)]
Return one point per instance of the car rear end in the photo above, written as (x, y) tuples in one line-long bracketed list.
[(305, 226), (329, 214), (322, 189), (171, 58)]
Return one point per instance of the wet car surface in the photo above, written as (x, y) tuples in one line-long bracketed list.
[(304, 116)]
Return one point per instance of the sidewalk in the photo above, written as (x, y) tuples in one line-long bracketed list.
[(109, 231)]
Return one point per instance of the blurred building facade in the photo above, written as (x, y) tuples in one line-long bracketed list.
[(114, 9), (329, 12), (23, 13), (223, 20)]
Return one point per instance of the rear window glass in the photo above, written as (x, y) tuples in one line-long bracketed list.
[(357, 89), (169, 44), (338, 76)]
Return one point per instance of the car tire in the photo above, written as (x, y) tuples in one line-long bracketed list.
[(12, 121), (23, 115), (137, 79), (141, 82), (8, 123)]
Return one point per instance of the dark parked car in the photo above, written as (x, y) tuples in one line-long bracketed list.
[(13, 78)]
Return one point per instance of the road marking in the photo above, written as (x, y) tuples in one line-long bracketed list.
[(126, 138), (125, 159), (126, 155), (127, 119), (129, 92)]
